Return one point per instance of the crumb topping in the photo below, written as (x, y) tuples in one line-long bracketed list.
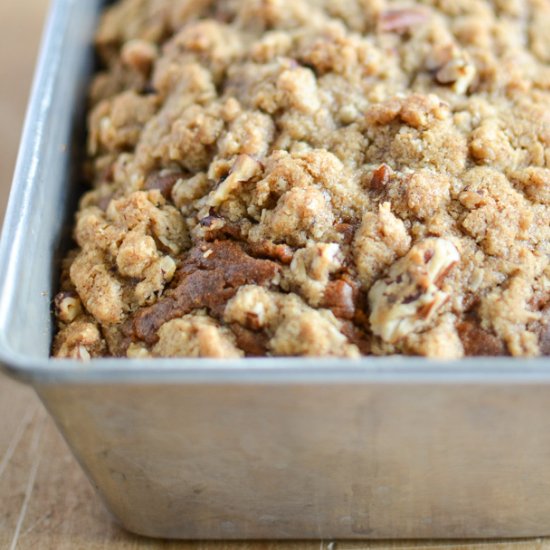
[(314, 177)]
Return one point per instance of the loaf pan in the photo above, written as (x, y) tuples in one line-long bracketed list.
[(251, 449)]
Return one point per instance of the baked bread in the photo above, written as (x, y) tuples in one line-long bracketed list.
[(314, 178)]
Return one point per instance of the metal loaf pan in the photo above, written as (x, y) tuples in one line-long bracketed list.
[(287, 448)]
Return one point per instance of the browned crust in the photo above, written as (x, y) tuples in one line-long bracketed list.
[(210, 276)]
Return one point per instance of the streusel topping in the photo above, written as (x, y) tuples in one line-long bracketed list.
[(314, 177)]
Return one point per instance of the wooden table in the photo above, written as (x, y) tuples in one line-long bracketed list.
[(46, 503)]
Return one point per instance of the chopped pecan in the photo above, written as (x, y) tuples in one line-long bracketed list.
[(254, 344), (210, 220), (457, 72), (451, 66), (380, 178), (80, 339), (541, 301), (340, 297), (68, 306), (405, 300), (401, 20), (347, 230), (243, 170), (163, 181)]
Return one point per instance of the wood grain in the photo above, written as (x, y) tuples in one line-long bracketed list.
[(46, 503)]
